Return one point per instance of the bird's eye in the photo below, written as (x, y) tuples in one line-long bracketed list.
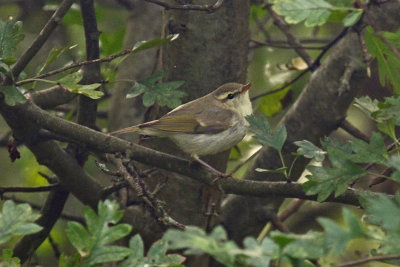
[(231, 96)]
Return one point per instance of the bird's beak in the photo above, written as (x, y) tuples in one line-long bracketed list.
[(246, 87)]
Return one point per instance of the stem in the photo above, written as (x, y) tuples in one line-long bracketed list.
[(291, 166), (264, 232), (37, 80), (283, 164)]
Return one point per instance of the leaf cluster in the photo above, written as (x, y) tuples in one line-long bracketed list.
[(388, 62), (93, 242), (317, 12), (155, 91), (15, 220), (381, 227)]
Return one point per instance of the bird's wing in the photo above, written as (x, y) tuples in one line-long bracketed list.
[(210, 120)]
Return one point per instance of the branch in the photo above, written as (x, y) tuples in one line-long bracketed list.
[(132, 177), (207, 8), (348, 127), (313, 67), (76, 65), (7, 189), (283, 46), (51, 97), (39, 41), (105, 143), (292, 40), (369, 259)]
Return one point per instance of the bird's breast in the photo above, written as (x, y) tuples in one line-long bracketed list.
[(207, 144)]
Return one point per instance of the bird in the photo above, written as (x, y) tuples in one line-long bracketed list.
[(205, 126)]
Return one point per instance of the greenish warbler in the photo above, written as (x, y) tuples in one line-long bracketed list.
[(204, 126)]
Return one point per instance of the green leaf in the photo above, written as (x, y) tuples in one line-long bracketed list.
[(323, 181), (314, 12), (71, 83), (143, 45), (394, 162), (164, 93), (367, 105), (337, 238), (17, 220), (352, 18), (195, 241), (153, 79), (137, 246), (374, 152), (309, 245), (260, 255), (382, 210), (107, 254), (136, 90), (309, 150), (102, 229), (388, 62), (149, 100), (12, 95), (79, 238), (264, 134), (387, 110), (157, 254), (10, 36)]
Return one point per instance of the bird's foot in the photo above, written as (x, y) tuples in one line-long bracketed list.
[(222, 175), (211, 168)]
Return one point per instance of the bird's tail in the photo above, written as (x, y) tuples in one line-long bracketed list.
[(126, 130), (140, 128)]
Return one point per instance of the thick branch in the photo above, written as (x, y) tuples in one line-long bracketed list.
[(51, 97), (105, 143)]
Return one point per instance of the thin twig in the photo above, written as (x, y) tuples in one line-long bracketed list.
[(131, 175), (21, 189), (292, 40), (315, 65), (75, 65), (278, 224), (282, 87), (54, 246), (294, 206), (207, 8), (283, 46), (113, 188), (369, 259)]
